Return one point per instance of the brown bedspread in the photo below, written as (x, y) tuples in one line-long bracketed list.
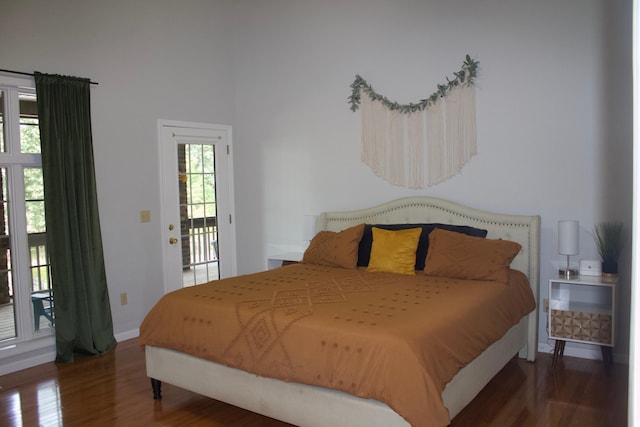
[(394, 338)]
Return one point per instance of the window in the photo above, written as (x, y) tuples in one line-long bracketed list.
[(198, 216), (26, 305)]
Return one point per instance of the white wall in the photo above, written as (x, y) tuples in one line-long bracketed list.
[(551, 102), (554, 120)]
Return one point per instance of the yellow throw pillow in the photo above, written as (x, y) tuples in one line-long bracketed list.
[(394, 251), (335, 249), (465, 257)]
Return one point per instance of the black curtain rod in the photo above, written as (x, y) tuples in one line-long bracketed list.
[(31, 74)]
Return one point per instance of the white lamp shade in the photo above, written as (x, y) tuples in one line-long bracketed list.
[(568, 237)]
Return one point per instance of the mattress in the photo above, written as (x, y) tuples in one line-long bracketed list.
[(394, 338)]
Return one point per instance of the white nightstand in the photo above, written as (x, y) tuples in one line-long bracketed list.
[(279, 260), (582, 309)]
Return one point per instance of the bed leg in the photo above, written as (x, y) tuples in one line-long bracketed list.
[(155, 386)]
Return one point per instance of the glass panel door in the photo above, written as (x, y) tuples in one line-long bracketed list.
[(196, 199)]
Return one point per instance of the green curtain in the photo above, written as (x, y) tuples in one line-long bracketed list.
[(83, 323)]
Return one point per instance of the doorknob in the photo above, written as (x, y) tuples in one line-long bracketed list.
[(173, 240)]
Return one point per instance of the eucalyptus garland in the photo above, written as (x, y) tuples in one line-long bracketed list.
[(465, 77)]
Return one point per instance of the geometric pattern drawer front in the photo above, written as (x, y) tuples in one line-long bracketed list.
[(578, 325)]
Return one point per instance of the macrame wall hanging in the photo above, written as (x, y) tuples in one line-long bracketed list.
[(439, 132)]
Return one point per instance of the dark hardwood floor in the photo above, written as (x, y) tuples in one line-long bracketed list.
[(112, 390)]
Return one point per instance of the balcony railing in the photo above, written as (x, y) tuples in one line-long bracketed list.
[(39, 265), (199, 241)]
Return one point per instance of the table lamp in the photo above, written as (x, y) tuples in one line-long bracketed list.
[(568, 244)]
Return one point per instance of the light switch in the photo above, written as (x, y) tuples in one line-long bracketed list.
[(145, 216)]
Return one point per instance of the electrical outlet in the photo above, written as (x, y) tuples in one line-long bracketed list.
[(123, 298), (545, 302)]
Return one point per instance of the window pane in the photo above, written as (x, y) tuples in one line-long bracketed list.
[(194, 161), (41, 297), (208, 155), (34, 200), (196, 169), (196, 191), (209, 188), (210, 210), (29, 131), (36, 229)]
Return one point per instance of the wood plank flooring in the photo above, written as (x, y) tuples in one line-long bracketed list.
[(112, 390)]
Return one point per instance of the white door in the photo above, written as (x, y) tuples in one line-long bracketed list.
[(197, 203)]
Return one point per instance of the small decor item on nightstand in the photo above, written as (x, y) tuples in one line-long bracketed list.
[(590, 267), (568, 244), (608, 236)]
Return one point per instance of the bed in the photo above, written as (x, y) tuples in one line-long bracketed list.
[(302, 403)]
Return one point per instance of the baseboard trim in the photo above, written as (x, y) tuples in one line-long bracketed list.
[(30, 362), (595, 353), (127, 335), (18, 362)]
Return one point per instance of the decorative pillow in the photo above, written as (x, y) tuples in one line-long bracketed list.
[(364, 249), (335, 249), (394, 251), (466, 257)]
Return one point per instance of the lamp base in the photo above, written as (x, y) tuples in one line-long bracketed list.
[(568, 273)]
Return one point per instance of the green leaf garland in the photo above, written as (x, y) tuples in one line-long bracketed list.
[(465, 77)]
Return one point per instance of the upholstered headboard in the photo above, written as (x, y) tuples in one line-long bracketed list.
[(523, 229)]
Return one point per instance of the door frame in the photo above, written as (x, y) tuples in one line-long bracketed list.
[(230, 229)]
